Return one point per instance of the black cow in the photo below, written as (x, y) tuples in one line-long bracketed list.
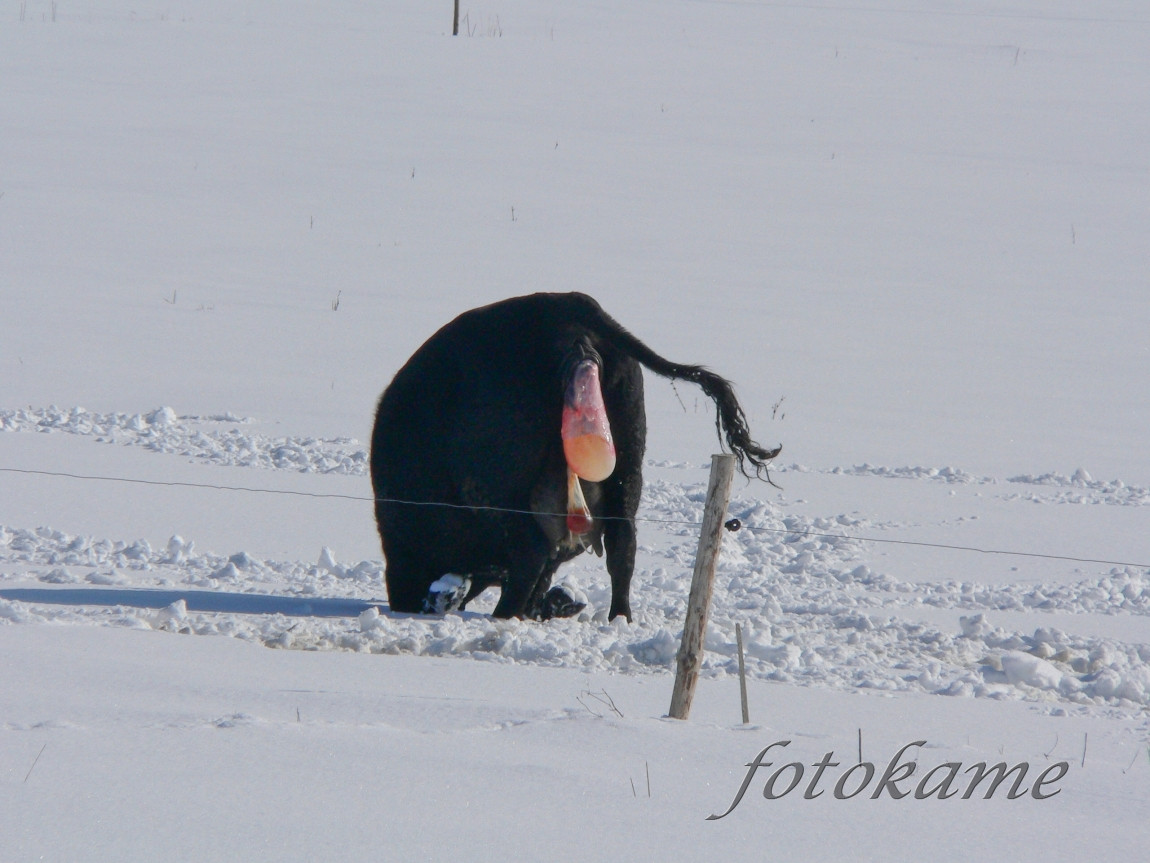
[(468, 468)]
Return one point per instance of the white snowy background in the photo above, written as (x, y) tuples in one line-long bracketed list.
[(914, 234)]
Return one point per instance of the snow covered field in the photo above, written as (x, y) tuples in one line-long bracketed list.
[(913, 234)]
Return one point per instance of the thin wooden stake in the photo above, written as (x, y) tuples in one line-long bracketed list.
[(1132, 760), (455, 26), (34, 761), (742, 675), (690, 657)]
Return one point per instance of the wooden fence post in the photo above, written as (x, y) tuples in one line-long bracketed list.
[(742, 676), (690, 656)]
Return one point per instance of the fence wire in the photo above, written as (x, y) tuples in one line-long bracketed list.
[(646, 520)]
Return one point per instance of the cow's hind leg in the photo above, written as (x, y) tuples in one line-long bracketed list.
[(621, 492), (408, 584), (480, 581), (525, 588), (619, 538)]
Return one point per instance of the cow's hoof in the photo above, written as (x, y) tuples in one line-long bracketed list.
[(620, 608), (559, 603), (446, 594)]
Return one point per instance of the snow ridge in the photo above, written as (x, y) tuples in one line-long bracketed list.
[(220, 439), (1082, 488), (197, 438), (812, 613)]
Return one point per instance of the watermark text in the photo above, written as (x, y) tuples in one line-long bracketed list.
[(898, 780)]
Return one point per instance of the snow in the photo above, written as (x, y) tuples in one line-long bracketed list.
[(912, 235)]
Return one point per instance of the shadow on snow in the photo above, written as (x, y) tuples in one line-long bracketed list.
[(197, 600)]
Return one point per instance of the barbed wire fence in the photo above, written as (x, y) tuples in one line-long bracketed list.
[(733, 524)]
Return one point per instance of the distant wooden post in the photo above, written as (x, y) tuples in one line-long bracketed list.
[(742, 676), (690, 657), (455, 26)]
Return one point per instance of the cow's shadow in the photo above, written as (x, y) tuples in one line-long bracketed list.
[(199, 600)]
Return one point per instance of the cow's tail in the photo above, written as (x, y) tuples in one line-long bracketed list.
[(730, 421)]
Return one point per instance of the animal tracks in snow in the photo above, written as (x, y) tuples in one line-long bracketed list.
[(817, 601)]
